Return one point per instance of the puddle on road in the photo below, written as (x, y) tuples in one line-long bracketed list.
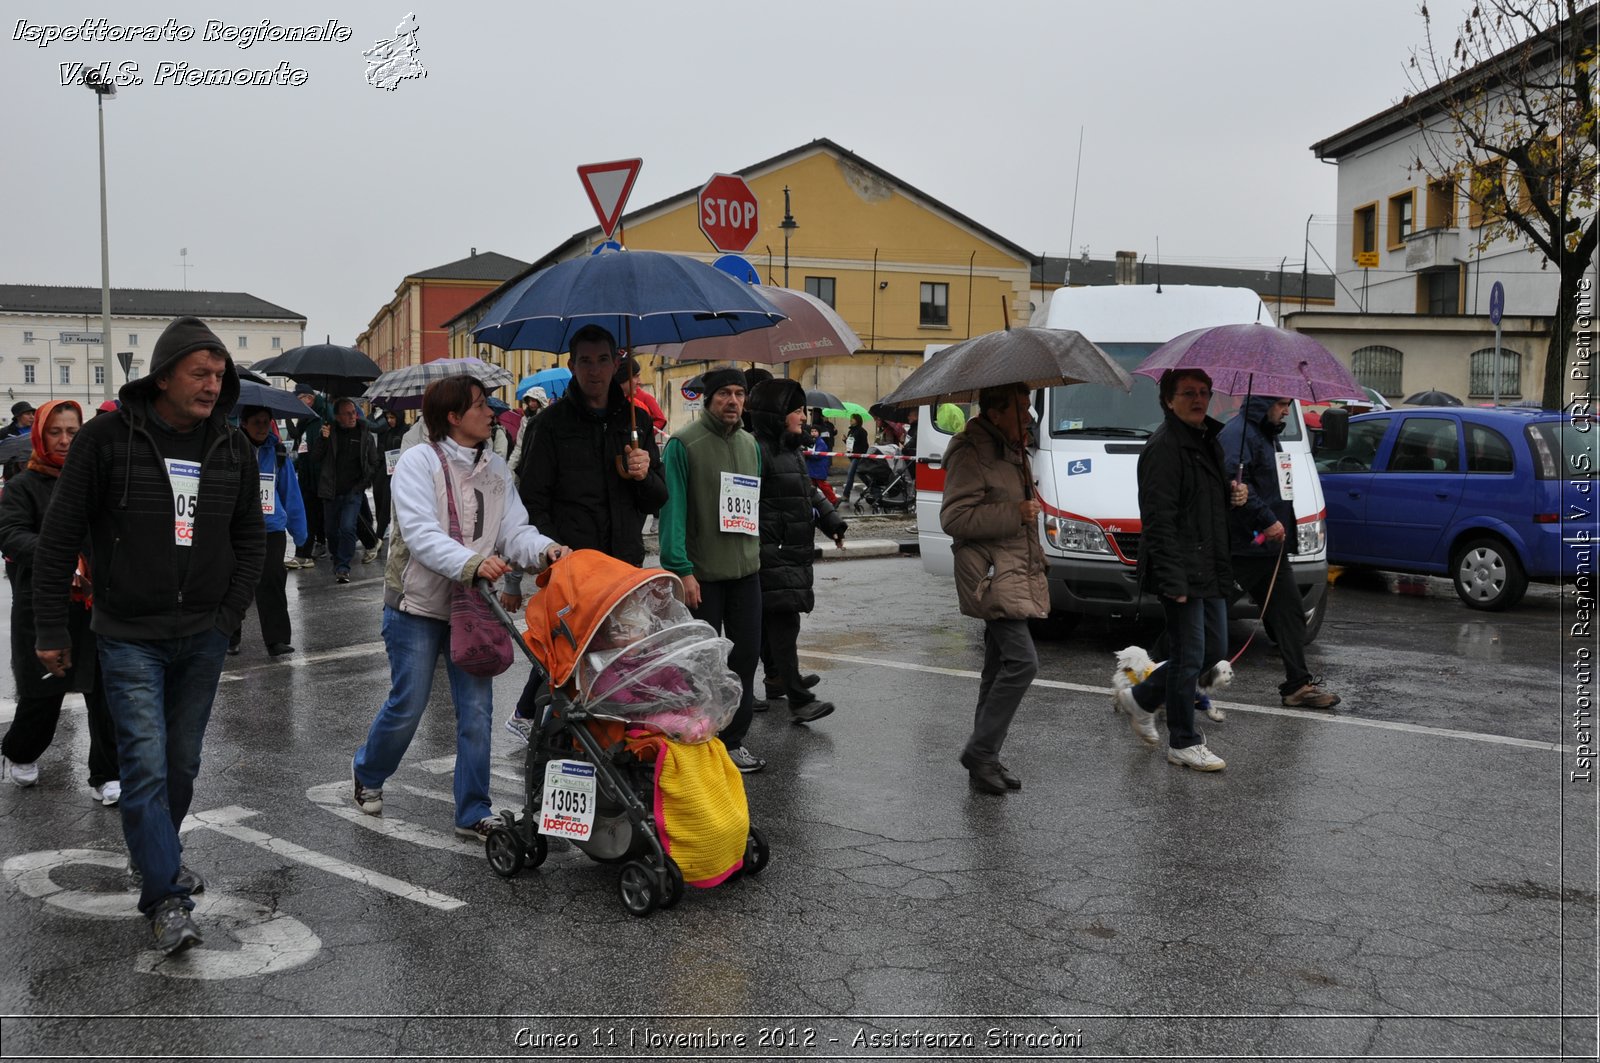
[(1480, 641), (1529, 890)]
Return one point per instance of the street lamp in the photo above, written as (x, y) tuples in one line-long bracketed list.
[(788, 225), (103, 89)]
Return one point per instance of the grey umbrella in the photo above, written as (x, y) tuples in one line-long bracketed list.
[(1034, 357)]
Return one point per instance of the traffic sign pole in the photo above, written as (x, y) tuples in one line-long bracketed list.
[(1497, 310)]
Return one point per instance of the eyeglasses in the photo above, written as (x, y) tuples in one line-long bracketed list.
[(1194, 394)]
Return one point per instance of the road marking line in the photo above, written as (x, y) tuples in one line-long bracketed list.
[(1261, 710), (442, 765), (301, 660), (331, 796), (449, 797), (226, 821)]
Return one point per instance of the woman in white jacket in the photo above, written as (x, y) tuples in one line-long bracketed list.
[(424, 563)]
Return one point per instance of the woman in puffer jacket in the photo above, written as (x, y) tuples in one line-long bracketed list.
[(791, 506)]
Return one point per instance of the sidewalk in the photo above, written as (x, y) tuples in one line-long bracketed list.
[(868, 536)]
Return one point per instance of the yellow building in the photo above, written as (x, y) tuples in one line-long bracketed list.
[(903, 269)]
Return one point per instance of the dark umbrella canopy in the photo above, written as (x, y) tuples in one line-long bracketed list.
[(16, 448), (328, 367), (280, 402), (640, 297), (1432, 398), (1033, 357), (1254, 359), (819, 399)]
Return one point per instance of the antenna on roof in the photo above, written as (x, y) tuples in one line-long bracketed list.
[(1158, 265), (1072, 225), (184, 265)]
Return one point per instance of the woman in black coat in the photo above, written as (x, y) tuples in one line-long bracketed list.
[(40, 694), (791, 506)]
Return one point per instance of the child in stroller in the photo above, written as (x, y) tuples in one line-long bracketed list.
[(887, 480), (623, 760)]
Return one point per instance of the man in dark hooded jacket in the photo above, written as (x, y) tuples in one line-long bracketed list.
[(1258, 539), (169, 494), (790, 507)]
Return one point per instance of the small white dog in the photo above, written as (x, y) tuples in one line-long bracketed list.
[(1133, 665)]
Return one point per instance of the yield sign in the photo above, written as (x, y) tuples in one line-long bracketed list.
[(608, 185)]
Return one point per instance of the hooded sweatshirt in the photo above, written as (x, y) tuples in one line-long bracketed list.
[(177, 548)]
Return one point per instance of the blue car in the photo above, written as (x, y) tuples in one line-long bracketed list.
[(1491, 498)]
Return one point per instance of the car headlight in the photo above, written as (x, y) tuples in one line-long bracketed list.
[(1076, 536), (1313, 537)]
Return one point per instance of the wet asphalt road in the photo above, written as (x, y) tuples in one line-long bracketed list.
[(1411, 875)]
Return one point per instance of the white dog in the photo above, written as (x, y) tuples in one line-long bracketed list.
[(1133, 665)]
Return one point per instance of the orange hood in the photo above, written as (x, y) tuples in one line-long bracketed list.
[(575, 594)]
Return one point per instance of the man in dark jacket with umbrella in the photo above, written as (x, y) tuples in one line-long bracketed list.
[(346, 453), (1259, 532), (170, 495), (791, 506), (1184, 496)]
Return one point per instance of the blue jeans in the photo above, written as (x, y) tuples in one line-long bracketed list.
[(340, 513), (1198, 632), (850, 478), (160, 696), (415, 644)]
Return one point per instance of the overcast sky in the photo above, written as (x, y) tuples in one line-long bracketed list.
[(1197, 119)]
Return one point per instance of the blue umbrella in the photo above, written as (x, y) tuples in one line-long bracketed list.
[(640, 297), (280, 402), (554, 381)]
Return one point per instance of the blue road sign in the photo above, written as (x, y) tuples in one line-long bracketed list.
[(1497, 303)]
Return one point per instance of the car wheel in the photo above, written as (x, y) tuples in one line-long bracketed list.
[(1314, 621), (1488, 575)]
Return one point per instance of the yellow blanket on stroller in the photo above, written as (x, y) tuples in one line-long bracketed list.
[(700, 810)]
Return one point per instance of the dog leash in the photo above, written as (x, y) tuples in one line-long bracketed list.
[(1283, 545)]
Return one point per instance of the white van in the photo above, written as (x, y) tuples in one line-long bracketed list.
[(1089, 440)]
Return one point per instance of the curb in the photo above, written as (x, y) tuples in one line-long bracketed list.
[(858, 550)]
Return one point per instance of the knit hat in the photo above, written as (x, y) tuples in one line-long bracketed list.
[(304, 389), (754, 376), (714, 380), (181, 338), (20, 408), (777, 396)]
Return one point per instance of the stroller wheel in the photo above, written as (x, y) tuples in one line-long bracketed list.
[(756, 853), (537, 852), (672, 876), (637, 888), (504, 851)]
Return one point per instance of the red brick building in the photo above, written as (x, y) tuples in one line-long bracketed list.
[(410, 329)]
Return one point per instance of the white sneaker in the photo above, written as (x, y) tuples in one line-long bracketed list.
[(1197, 757), (108, 794), (370, 556), (1143, 723), (21, 774), (520, 726)]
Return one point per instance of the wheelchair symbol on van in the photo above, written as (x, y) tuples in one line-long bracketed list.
[(1078, 467)]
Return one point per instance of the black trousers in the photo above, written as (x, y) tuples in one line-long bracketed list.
[(733, 608), (380, 499), (34, 727), (272, 604), (1285, 617), (315, 532), (780, 658)]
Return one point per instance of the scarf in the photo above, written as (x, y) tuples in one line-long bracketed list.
[(43, 462)]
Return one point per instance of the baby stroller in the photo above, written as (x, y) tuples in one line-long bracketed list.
[(623, 761), (889, 486)]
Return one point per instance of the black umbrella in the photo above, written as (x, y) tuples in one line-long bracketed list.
[(328, 367), (1033, 357), (16, 448), (280, 402), (819, 399), (1433, 398)]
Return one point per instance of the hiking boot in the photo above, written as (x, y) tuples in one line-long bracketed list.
[(369, 801), (278, 649), (173, 927), (107, 793), (479, 830), (1311, 696), (1197, 757), (810, 711), (1142, 722), (520, 726), (746, 761)]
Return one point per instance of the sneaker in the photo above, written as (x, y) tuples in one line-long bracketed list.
[(1142, 722), (108, 793), (370, 556), (479, 830), (369, 801), (810, 711), (746, 761), (319, 550), (341, 577), (1210, 708), (1197, 757), (761, 704), (21, 774), (173, 927), (291, 563), (520, 726), (188, 878), (1311, 696), (278, 649)]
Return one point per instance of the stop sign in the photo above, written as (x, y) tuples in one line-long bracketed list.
[(728, 214)]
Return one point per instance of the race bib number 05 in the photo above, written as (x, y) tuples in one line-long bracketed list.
[(185, 479), (568, 807), (739, 504)]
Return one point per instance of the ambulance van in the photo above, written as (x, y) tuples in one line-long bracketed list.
[(1088, 442)]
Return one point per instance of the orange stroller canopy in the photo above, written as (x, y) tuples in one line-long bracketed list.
[(575, 595)]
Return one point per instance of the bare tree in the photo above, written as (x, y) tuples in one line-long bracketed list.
[(1508, 115)]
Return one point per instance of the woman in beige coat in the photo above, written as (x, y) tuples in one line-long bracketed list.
[(992, 518)]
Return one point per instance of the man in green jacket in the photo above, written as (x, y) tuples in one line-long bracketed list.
[(710, 535)]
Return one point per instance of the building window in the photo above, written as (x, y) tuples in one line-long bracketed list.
[(1442, 203), (29, 374), (99, 376), (1364, 235), (1402, 216), (277, 343), (935, 304), (1378, 367), (1486, 194), (27, 337), (65, 373), (1439, 292), (821, 287), (1480, 384), (133, 339), (244, 341)]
